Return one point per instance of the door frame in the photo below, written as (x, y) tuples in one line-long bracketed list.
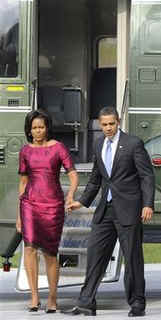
[(123, 28)]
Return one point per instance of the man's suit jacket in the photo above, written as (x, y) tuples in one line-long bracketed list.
[(132, 181)]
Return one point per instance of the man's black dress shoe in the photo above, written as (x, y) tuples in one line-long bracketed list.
[(136, 312), (50, 310), (79, 310)]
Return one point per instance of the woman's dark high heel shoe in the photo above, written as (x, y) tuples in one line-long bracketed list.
[(35, 308)]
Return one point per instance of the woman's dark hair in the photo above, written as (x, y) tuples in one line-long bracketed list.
[(38, 114)]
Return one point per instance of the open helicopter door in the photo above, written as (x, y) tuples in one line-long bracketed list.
[(73, 246)]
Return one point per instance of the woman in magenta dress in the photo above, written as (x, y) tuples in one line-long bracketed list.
[(41, 214)]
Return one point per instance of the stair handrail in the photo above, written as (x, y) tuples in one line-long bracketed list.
[(124, 102)]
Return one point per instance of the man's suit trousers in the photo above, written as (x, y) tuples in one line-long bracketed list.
[(101, 243)]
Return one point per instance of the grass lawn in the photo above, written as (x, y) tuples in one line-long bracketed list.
[(152, 254)]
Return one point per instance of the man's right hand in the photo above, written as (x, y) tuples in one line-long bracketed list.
[(73, 206)]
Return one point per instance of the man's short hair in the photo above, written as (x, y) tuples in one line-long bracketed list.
[(106, 111)]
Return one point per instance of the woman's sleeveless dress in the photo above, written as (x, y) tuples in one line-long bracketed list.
[(42, 203)]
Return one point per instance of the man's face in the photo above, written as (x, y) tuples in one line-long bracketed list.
[(109, 125)]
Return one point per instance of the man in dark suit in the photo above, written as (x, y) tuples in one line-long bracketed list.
[(127, 200)]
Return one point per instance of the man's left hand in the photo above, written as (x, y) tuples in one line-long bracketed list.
[(147, 213)]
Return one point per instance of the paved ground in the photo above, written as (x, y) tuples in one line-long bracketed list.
[(110, 299)]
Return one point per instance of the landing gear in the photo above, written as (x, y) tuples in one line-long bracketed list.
[(9, 252), (6, 265)]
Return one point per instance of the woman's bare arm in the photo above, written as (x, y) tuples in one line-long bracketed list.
[(73, 178), (22, 186)]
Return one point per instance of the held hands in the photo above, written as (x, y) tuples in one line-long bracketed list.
[(73, 205), (147, 213), (70, 204)]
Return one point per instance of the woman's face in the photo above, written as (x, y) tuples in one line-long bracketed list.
[(38, 130)]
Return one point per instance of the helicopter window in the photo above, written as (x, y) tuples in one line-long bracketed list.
[(103, 82), (9, 30), (152, 42), (107, 52)]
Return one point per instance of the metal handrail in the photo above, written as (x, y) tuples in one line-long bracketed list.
[(124, 102), (75, 125), (34, 93)]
